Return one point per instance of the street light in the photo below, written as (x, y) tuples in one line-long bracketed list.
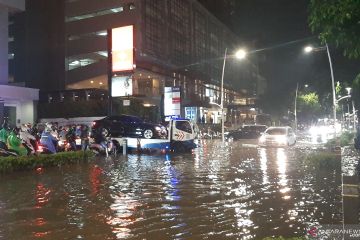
[(309, 49), (240, 54)]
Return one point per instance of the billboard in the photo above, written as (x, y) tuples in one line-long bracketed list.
[(122, 49), (121, 86), (172, 101)]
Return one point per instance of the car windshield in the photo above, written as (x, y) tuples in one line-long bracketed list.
[(276, 131)]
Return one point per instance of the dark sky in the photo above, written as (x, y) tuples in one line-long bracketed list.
[(281, 27)]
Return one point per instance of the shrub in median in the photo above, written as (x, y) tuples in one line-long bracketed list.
[(323, 160), (8, 164)]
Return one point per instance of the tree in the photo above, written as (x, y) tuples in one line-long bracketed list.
[(309, 107), (337, 21)]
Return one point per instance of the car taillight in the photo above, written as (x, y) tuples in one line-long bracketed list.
[(40, 148)]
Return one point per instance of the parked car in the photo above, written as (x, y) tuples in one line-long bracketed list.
[(128, 126), (246, 132), (278, 136)]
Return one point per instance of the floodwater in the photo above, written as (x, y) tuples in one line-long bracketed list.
[(233, 192)]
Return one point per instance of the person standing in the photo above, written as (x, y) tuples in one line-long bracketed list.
[(84, 136), (15, 144), (4, 133)]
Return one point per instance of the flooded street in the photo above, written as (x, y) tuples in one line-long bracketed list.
[(233, 192)]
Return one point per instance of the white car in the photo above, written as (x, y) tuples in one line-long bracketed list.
[(278, 136)]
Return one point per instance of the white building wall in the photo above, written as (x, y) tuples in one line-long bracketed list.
[(13, 5), (4, 46), (24, 99)]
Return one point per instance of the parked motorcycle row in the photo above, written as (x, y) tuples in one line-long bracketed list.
[(50, 138)]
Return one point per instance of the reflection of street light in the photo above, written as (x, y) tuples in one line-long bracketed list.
[(309, 49), (240, 54)]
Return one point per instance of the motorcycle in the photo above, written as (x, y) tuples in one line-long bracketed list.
[(104, 148), (42, 149), (7, 153)]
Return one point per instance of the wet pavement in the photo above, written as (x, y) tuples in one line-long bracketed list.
[(238, 191)]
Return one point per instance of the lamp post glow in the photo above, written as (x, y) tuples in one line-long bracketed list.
[(240, 54), (309, 49)]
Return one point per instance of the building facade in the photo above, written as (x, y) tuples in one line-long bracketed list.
[(17, 104), (176, 43)]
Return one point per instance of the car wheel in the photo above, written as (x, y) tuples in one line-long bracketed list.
[(148, 133)]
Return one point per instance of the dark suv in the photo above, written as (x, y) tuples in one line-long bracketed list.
[(128, 126), (247, 132)]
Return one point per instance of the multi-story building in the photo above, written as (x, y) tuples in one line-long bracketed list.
[(176, 43), (17, 104)]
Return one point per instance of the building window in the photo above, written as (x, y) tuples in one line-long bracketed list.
[(85, 59), (102, 33), (95, 14), (154, 26), (180, 31)]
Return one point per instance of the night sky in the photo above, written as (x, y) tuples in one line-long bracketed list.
[(281, 28)]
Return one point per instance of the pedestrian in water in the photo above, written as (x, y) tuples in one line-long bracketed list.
[(4, 133), (84, 135), (71, 137)]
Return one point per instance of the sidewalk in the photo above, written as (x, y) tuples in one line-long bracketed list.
[(350, 159)]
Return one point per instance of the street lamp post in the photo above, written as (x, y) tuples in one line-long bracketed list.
[(240, 54), (295, 110), (222, 98), (333, 87), (310, 49)]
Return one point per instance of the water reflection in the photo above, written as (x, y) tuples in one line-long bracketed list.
[(281, 160), (263, 165), (216, 192), (42, 197)]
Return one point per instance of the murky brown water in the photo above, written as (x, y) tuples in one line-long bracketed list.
[(215, 193)]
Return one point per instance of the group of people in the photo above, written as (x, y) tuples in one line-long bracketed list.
[(25, 140)]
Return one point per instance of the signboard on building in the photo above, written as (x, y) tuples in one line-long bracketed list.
[(121, 86), (122, 49), (126, 102), (172, 101)]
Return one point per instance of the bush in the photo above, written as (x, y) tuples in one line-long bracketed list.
[(9, 164), (323, 160), (347, 138)]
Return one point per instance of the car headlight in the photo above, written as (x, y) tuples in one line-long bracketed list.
[(158, 128), (281, 139), (262, 139)]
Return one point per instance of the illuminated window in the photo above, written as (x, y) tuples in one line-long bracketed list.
[(85, 59), (95, 14), (102, 33)]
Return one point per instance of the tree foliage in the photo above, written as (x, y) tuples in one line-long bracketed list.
[(338, 22), (309, 107)]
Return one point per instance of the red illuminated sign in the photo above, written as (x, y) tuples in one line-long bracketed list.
[(123, 49)]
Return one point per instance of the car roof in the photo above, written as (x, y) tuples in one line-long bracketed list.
[(279, 127), (254, 125)]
